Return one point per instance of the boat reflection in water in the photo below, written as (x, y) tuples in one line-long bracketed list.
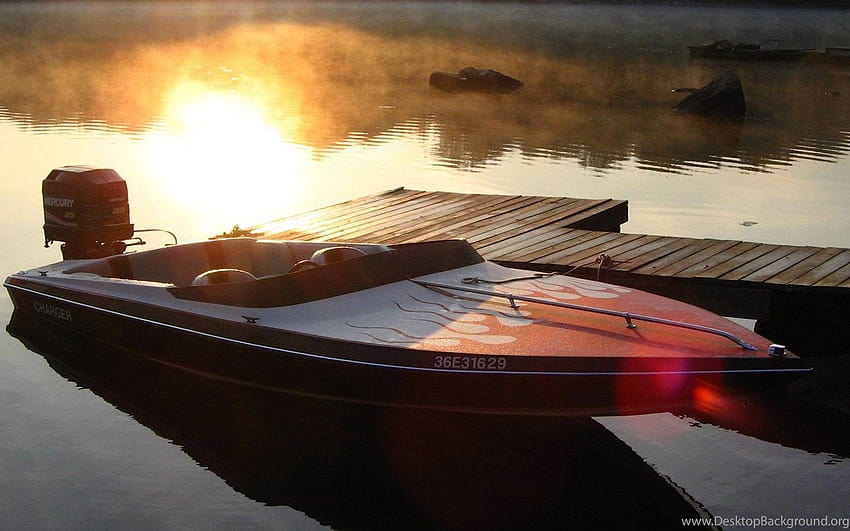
[(364, 467)]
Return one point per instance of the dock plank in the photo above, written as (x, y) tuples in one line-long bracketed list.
[(698, 258), (608, 247), (516, 226), (542, 237), (420, 211), (388, 224), (789, 260), (663, 262), (803, 267), (299, 221), (535, 254), (339, 215), (653, 253), (626, 260), (720, 258), (556, 239), (734, 262), (453, 212), (836, 278), (757, 264), (564, 256), (483, 225), (502, 217), (824, 270), (331, 214), (459, 223)]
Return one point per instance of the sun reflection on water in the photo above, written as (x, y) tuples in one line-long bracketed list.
[(222, 149)]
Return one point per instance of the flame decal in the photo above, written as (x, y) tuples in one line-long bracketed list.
[(438, 324), (518, 318), (440, 338), (461, 324), (563, 288), (449, 321)]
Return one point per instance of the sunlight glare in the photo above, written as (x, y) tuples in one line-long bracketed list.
[(224, 160)]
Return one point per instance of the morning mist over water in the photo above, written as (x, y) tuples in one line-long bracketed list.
[(223, 113), (318, 102)]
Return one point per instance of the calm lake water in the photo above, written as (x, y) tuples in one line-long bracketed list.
[(239, 113)]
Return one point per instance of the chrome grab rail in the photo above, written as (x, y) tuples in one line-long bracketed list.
[(629, 317)]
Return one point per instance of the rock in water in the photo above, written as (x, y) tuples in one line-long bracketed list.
[(473, 79), (723, 97)]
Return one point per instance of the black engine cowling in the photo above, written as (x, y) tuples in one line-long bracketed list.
[(88, 209)]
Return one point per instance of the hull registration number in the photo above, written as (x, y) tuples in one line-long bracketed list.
[(472, 363)]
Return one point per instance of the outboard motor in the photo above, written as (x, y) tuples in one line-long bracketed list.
[(88, 209)]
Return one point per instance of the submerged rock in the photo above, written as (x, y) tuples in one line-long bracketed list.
[(474, 79), (723, 97)]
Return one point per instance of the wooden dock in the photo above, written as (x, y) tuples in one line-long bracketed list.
[(792, 290), (402, 215)]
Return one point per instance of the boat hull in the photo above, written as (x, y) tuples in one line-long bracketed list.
[(304, 364)]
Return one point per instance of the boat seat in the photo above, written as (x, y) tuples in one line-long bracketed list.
[(181, 265), (325, 256), (222, 276), (302, 265), (272, 258), (329, 255)]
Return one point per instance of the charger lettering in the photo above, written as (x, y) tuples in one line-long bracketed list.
[(51, 310)]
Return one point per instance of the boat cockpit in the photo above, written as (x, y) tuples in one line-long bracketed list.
[(223, 261), (257, 273)]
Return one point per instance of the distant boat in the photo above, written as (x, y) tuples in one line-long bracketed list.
[(838, 51), (836, 54), (724, 49)]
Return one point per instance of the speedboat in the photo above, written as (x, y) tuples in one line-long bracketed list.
[(427, 325)]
